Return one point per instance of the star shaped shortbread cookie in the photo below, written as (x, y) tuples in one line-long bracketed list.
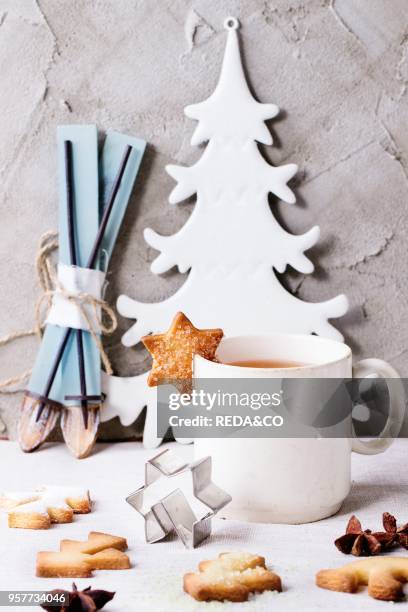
[(174, 350)]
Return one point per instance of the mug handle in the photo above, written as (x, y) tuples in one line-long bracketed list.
[(377, 367)]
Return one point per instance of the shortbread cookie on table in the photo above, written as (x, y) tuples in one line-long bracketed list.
[(231, 577), (45, 505), (77, 559), (385, 577)]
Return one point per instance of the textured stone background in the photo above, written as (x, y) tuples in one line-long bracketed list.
[(339, 71)]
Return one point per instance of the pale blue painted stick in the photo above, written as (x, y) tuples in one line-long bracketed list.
[(86, 203), (67, 378), (115, 144)]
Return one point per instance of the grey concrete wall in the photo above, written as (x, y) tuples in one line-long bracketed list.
[(337, 68)]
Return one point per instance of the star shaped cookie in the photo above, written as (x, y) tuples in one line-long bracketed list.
[(174, 350)]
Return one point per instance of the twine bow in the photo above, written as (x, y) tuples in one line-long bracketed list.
[(104, 315)]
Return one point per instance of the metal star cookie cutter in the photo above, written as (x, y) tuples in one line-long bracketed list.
[(173, 512)]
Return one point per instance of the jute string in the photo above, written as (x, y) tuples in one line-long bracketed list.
[(104, 315)]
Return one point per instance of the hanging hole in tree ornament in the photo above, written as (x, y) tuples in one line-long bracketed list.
[(231, 23)]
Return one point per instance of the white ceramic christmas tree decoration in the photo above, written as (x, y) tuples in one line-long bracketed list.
[(231, 243)]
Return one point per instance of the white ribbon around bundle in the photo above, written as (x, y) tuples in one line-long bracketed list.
[(76, 288)]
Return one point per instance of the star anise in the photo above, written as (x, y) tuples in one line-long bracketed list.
[(392, 534), (88, 600), (358, 542)]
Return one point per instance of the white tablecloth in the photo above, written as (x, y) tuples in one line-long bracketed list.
[(154, 584)]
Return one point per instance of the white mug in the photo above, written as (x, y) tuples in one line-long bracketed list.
[(290, 480)]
